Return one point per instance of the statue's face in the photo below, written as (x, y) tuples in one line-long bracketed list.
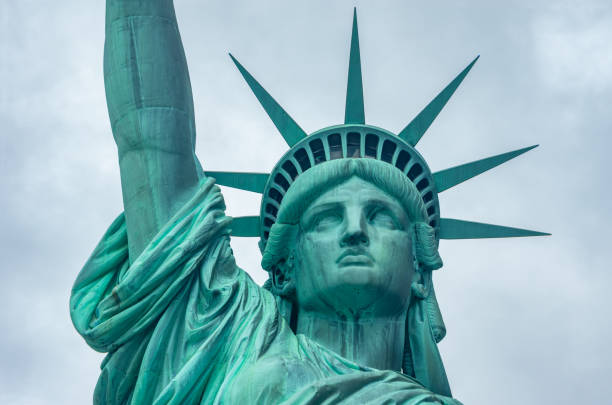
[(354, 253)]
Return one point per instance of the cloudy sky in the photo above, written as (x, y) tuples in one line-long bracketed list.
[(529, 320)]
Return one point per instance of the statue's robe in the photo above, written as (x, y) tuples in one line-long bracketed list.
[(183, 324)]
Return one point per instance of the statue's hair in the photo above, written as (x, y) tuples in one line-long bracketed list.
[(325, 176)]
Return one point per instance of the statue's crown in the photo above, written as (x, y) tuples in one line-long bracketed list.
[(355, 139)]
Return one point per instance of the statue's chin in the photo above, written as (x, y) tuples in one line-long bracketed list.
[(357, 280), (361, 295)]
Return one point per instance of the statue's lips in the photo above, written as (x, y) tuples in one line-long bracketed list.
[(354, 257)]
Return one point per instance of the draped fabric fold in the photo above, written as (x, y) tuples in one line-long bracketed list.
[(183, 324)]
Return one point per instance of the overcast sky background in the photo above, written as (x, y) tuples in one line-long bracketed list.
[(528, 320)]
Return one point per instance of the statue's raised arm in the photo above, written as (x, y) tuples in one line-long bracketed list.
[(151, 113)]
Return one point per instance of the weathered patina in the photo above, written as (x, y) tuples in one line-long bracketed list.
[(349, 230)]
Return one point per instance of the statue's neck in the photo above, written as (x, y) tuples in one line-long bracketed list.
[(373, 342)]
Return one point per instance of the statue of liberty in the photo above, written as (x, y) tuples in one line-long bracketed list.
[(349, 230)]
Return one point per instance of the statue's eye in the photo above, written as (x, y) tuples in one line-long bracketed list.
[(380, 216), (325, 220)]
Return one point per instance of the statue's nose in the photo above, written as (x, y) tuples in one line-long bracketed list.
[(356, 232)]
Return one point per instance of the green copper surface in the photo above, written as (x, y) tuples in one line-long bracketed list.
[(459, 229), (245, 226), (448, 178), (288, 128), (184, 325), (349, 230), (354, 111), (415, 130), (254, 182)]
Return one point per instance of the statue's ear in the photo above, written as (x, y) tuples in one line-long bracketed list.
[(283, 280), (421, 283), (422, 248)]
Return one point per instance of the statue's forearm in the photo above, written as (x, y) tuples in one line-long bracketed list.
[(151, 112)]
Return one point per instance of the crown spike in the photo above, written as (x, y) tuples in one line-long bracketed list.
[(354, 110), (254, 182), (245, 226), (448, 178), (288, 128), (459, 229), (417, 127)]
